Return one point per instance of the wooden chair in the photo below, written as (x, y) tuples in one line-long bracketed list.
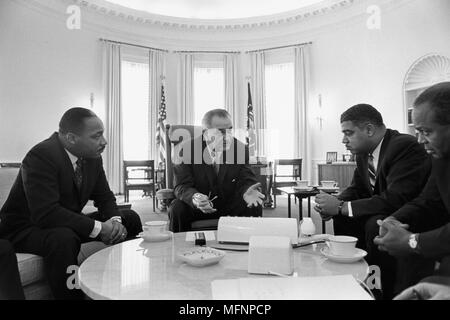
[(139, 175), (174, 135), (287, 179)]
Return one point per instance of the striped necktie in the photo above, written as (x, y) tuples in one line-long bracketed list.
[(79, 173), (372, 171)]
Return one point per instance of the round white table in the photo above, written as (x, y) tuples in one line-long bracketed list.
[(142, 270)]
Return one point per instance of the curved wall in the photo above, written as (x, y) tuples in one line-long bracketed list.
[(45, 68)]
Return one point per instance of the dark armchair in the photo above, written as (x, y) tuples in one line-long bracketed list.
[(174, 135)]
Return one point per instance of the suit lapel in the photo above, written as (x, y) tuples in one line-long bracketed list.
[(85, 182), (68, 167), (209, 169), (384, 146), (222, 172), (229, 158), (365, 170)]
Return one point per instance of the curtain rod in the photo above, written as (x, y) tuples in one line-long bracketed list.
[(133, 45), (206, 51), (281, 47)]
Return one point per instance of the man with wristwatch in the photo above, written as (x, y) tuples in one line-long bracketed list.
[(392, 169), (421, 228)]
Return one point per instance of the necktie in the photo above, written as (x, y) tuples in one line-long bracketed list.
[(215, 163), (216, 168), (79, 173), (372, 172)]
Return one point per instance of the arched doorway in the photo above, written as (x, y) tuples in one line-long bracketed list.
[(424, 72)]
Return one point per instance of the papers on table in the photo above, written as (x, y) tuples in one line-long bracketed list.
[(290, 288), (209, 235)]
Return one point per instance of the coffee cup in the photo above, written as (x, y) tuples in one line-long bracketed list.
[(342, 245), (152, 228), (303, 184), (328, 184)]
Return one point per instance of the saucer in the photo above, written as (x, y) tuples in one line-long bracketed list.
[(358, 255), (203, 256), (303, 188), (328, 189), (157, 237)]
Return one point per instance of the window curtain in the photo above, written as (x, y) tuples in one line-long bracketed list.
[(114, 126), (258, 100), (302, 82), (231, 86), (157, 72), (185, 89)]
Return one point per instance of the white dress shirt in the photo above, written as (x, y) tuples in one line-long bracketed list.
[(376, 157)]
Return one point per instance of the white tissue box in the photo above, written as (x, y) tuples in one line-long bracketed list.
[(270, 254)]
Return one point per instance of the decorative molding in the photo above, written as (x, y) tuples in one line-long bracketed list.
[(141, 17), (428, 70)]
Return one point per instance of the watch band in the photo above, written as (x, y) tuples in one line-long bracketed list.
[(340, 208), (413, 242)]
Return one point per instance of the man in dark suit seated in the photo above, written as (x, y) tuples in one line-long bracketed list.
[(420, 230), (43, 212), (10, 285), (392, 169), (213, 177)]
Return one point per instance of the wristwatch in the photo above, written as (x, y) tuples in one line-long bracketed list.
[(412, 242), (117, 219), (340, 208)]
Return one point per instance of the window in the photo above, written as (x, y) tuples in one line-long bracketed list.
[(135, 95), (209, 88), (280, 105)]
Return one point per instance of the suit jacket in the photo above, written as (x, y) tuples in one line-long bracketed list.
[(44, 193), (402, 171), (196, 174), (429, 213)]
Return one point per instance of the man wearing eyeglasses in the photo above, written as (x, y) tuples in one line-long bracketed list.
[(214, 178)]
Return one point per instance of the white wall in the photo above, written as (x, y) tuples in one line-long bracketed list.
[(46, 68), (353, 64)]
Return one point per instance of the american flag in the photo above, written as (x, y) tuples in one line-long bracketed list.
[(251, 136), (160, 138)]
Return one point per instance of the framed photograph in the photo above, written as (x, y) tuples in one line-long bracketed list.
[(331, 157), (410, 121)]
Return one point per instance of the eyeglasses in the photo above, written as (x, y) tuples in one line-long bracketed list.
[(217, 132)]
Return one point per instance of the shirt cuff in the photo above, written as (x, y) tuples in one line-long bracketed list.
[(350, 210), (97, 228)]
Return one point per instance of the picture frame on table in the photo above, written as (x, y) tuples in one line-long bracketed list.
[(331, 157)]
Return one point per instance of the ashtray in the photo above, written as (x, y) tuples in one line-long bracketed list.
[(200, 257)]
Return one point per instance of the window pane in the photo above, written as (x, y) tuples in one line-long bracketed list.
[(209, 92), (280, 110), (135, 84)]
